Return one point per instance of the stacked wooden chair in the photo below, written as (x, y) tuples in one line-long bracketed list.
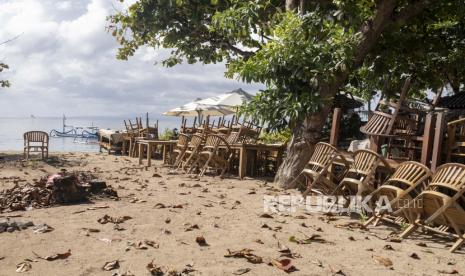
[(36, 141), (441, 207), (132, 132), (396, 125), (180, 150), (408, 180), (193, 148), (317, 172), (455, 148), (212, 157), (359, 179)]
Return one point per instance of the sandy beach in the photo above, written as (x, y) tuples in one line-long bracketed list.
[(169, 212)]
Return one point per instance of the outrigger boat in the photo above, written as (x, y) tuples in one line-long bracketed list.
[(75, 132)]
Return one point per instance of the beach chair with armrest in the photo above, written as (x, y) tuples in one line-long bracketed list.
[(407, 182), (440, 208), (359, 178), (317, 172), (36, 141)]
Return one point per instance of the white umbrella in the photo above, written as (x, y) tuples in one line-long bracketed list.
[(223, 104)]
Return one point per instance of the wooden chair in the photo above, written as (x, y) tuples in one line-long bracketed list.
[(36, 141), (455, 140), (408, 180), (317, 172), (211, 156), (359, 179), (181, 148), (193, 148), (440, 208)]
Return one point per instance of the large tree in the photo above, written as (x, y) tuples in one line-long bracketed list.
[(305, 51)]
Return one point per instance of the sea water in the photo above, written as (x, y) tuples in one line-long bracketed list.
[(12, 130)]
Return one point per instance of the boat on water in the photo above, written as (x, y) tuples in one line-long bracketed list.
[(86, 133)]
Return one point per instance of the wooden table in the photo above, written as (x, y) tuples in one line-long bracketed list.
[(244, 148), (168, 146)]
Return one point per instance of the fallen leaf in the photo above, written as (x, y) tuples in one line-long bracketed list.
[(452, 271), (58, 256), (266, 215), (111, 265), (154, 269), (388, 247), (317, 262), (245, 253), (422, 244), (201, 241), (23, 267), (414, 256), (159, 206), (241, 271), (283, 264), (383, 261)]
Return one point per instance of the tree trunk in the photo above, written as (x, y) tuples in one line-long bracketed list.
[(305, 134), (308, 132)]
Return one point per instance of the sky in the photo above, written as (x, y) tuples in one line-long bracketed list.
[(63, 62)]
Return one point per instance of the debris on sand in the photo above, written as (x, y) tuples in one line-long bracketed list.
[(11, 226), (55, 189)]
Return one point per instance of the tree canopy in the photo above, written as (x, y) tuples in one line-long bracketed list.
[(4, 83), (305, 51)]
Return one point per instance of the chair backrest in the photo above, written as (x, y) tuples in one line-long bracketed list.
[(183, 140), (378, 124), (36, 136), (450, 176), (233, 137), (322, 156), (365, 162), (196, 141), (410, 174), (213, 141)]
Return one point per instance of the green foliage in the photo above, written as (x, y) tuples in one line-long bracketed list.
[(301, 56), (282, 136), (168, 134), (4, 83)]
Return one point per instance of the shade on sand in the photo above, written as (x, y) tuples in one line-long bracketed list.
[(223, 104)]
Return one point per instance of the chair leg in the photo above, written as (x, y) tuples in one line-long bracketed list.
[(205, 166), (409, 230), (457, 244), (369, 221)]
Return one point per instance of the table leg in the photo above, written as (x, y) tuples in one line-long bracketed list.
[(141, 155), (149, 155), (164, 153), (242, 162)]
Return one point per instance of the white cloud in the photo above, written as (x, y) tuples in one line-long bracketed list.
[(64, 62)]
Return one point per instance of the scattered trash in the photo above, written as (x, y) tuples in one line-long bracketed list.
[(116, 220), (154, 269), (11, 226), (42, 228), (23, 267), (111, 265), (59, 188)]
